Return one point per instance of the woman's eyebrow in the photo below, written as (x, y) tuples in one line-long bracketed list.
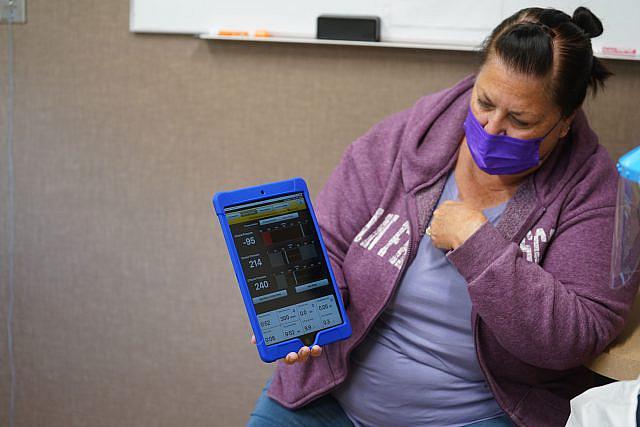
[(484, 95)]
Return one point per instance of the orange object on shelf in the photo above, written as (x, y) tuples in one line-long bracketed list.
[(232, 33), (262, 33)]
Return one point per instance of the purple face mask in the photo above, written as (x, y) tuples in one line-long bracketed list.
[(501, 154)]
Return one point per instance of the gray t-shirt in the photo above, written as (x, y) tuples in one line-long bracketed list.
[(418, 364)]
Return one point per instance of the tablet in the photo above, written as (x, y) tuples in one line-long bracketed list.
[(282, 267)]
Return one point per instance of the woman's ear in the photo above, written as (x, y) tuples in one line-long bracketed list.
[(566, 124)]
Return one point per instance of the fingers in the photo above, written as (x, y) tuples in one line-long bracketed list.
[(291, 358), (303, 354), (316, 351)]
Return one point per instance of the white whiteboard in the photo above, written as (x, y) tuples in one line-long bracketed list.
[(459, 24)]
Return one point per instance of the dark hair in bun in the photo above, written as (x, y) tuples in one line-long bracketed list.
[(586, 20), (550, 43)]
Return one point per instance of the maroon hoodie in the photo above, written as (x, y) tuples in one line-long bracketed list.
[(539, 281)]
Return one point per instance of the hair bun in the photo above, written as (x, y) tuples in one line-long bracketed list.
[(586, 20)]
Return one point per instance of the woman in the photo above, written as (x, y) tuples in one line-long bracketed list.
[(471, 239)]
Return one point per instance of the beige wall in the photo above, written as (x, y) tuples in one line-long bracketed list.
[(126, 311)]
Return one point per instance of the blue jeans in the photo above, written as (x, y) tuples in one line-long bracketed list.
[(325, 411)]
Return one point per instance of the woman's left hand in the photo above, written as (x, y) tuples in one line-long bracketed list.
[(453, 223)]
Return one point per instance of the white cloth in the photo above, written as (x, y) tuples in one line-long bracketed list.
[(612, 405)]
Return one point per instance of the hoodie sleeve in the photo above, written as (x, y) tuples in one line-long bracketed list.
[(354, 190), (557, 315)]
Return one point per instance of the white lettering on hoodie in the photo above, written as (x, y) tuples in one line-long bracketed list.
[(400, 238), (531, 244)]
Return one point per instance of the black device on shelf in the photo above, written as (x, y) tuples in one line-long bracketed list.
[(345, 27)]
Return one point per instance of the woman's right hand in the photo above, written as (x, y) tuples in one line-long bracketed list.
[(302, 354)]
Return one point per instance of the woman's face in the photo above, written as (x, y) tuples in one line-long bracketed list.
[(508, 102)]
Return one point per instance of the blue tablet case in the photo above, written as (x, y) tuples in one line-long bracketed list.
[(305, 313)]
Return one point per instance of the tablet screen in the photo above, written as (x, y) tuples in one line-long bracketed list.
[(283, 264)]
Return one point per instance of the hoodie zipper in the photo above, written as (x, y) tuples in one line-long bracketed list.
[(403, 270)]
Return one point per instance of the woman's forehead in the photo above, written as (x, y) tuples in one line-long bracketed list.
[(512, 90)]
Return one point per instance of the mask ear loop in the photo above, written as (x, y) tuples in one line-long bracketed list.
[(551, 130), (547, 134)]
